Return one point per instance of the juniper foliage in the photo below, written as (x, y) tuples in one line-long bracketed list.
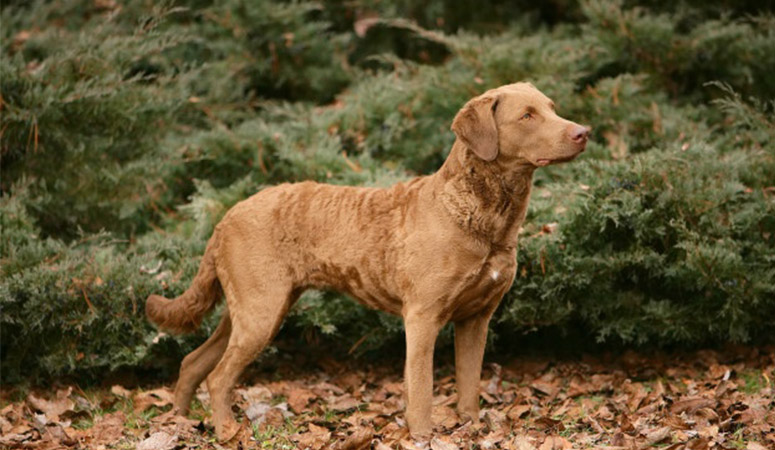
[(128, 130)]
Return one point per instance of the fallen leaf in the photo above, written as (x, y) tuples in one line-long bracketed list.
[(343, 403), (555, 443), (676, 422), (395, 388), (109, 428), (362, 418), (53, 408), (54, 433), (170, 418), (545, 388), (657, 435), (328, 387), (444, 417), (438, 444), (315, 438), (157, 397), (5, 425), (697, 444), (494, 419), (13, 440), (360, 439), (547, 423), (411, 444), (298, 399), (691, 404), (158, 441), (256, 412), (522, 443), (255, 394), (750, 415), (120, 391), (518, 411)]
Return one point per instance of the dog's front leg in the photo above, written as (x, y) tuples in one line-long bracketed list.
[(470, 340), (421, 332)]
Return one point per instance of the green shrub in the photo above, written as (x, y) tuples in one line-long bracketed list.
[(671, 246), (740, 52), (78, 307), (81, 124), (128, 132)]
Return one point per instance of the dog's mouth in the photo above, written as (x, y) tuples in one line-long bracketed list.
[(541, 162)]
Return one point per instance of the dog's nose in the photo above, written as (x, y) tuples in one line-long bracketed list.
[(579, 133)]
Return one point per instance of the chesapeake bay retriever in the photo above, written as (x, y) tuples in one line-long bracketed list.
[(434, 249)]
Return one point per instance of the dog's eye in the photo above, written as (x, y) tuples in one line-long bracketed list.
[(526, 116)]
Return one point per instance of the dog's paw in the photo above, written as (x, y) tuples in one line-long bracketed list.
[(229, 431), (180, 411), (469, 416), (421, 436)]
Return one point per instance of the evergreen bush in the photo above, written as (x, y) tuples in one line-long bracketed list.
[(128, 130)]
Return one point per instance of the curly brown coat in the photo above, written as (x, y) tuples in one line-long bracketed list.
[(433, 249)]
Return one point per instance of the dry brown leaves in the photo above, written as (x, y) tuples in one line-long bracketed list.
[(118, 418), (706, 400)]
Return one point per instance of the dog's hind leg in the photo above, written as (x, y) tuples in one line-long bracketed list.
[(256, 315), (199, 363)]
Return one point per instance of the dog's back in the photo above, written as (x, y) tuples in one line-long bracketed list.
[(341, 237)]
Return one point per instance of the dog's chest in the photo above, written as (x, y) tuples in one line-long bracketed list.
[(485, 285)]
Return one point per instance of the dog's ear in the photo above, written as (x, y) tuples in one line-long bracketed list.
[(475, 126)]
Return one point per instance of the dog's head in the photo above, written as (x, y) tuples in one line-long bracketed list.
[(517, 123)]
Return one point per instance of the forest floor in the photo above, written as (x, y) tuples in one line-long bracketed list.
[(700, 400)]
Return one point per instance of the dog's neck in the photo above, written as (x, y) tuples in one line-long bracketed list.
[(485, 199)]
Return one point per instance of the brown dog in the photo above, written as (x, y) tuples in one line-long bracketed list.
[(434, 249)]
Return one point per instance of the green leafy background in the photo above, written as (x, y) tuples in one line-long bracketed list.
[(129, 128)]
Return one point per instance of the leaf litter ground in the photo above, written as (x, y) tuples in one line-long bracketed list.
[(693, 401)]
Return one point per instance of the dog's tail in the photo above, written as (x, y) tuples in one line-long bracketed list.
[(185, 313)]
